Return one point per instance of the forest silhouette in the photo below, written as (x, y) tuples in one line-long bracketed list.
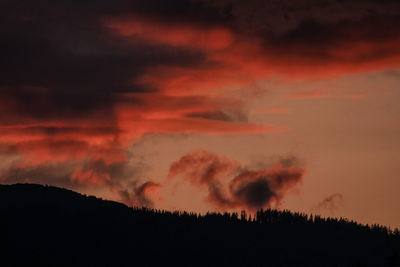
[(50, 226)]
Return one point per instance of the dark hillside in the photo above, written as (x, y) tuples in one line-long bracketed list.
[(49, 226)]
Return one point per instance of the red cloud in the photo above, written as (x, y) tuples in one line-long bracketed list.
[(89, 177), (37, 152), (242, 57), (202, 167), (96, 91), (247, 189), (139, 194)]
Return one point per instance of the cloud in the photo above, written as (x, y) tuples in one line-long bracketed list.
[(329, 204), (201, 167), (139, 194), (174, 34), (258, 189), (145, 191), (53, 174), (81, 81), (233, 186), (221, 115), (92, 173)]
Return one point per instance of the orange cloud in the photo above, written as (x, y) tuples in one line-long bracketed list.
[(248, 189)]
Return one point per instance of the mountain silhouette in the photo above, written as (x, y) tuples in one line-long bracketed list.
[(50, 226)]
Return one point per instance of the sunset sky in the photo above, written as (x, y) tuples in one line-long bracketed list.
[(206, 105)]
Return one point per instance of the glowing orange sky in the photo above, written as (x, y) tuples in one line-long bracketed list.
[(109, 100)]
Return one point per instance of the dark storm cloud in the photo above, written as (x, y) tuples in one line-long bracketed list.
[(54, 131), (322, 42), (70, 84), (313, 31), (281, 16), (184, 11), (255, 194), (63, 47), (58, 60), (258, 189)]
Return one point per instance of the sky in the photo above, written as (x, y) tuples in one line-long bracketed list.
[(206, 105)]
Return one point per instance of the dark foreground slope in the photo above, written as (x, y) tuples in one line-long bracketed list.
[(49, 226)]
